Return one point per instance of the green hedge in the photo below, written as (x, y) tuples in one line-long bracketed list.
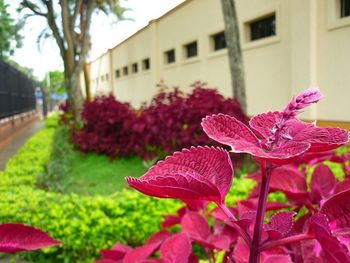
[(84, 224)]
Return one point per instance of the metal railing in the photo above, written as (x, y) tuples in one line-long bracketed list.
[(17, 92)]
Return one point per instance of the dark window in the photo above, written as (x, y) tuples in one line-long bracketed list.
[(102, 78), (134, 68), (191, 50), (117, 73), (219, 41), (146, 64), (170, 56), (344, 8), (125, 71), (107, 76), (262, 28)]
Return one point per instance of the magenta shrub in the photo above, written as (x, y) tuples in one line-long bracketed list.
[(106, 127), (170, 122), (312, 225)]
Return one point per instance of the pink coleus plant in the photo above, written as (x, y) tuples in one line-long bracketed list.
[(276, 136), (18, 237), (204, 174)]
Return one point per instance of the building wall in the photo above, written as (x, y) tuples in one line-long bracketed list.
[(100, 75), (310, 48), (333, 63), (135, 87)]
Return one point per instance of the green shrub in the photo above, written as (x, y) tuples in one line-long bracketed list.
[(84, 224)]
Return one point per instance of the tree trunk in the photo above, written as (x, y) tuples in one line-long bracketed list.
[(234, 52), (87, 82), (76, 99)]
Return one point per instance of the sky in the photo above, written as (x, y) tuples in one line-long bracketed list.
[(105, 34)]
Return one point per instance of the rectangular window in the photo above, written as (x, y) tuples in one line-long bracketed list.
[(134, 68), (125, 71), (170, 56), (117, 73), (191, 49), (102, 78), (146, 64), (107, 76), (219, 41), (344, 8), (263, 28)]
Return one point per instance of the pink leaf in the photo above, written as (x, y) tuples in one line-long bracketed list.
[(170, 249), (280, 224), (140, 253), (117, 252), (264, 123), (321, 139), (217, 242), (333, 249), (158, 237), (289, 180), (171, 220), (286, 153), (18, 237), (196, 226), (322, 182), (112, 254), (193, 258), (252, 204), (200, 173), (337, 210), (241, 251), (342, 186), (325, 139), (277, 259), (143, 252), (176, 186), (108, 261), (230, 131)]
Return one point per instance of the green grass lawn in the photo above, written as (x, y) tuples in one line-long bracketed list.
[(93, 174), (88, 174)]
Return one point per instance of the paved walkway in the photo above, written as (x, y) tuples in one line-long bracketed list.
[(8, 151)]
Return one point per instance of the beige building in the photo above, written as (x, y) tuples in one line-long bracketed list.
[(288, 45)]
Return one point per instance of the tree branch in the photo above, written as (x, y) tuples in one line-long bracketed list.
[(68, 36), (33, 7), (85, 32), (52, 24), (75, 13)]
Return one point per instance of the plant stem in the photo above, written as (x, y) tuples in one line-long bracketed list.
[(234, 224), (284, 241), (254, 256)]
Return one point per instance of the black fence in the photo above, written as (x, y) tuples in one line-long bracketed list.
[(17, 92)]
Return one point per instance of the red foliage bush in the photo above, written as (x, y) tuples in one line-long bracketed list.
[(106, 127), (170, 122)]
